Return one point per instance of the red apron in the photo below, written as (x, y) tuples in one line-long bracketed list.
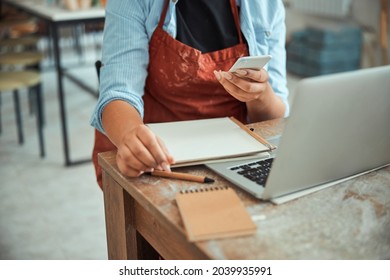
[(181, 84)]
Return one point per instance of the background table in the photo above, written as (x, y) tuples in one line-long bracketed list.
[(350, 220)]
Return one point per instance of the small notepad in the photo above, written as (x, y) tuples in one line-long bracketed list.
[(212, 212)]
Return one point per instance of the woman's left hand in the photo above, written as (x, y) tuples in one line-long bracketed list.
[(245, 84), (252, 87)]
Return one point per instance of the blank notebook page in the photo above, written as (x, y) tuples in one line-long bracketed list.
[(205, 139)]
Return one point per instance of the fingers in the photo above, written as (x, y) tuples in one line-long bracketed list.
[(125, 167), (260, 76), (142, 151), (150, 151), (170, 159), (245, 84)]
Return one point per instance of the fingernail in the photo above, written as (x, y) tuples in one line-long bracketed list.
[(217, 75), (165, 166), (226, 75), (241, 72)]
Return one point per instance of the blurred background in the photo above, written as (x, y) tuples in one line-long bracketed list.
[(50, 204)]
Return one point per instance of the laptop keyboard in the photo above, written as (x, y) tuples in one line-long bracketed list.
[(257, 171)]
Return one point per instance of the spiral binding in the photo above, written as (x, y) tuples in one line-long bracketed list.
[(203, 189)]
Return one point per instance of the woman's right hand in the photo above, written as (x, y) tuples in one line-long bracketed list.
[(140, 150)]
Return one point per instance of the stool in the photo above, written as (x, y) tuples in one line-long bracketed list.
[(29, 59), (23, 43), (16, 80)]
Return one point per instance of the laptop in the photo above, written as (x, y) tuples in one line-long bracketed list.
[(338, 128)]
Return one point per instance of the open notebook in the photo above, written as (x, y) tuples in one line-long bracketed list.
[(209, 140)]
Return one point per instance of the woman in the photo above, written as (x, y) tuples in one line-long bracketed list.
[(166, 60)]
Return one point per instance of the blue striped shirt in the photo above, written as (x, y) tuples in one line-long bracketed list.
[(129, 26)]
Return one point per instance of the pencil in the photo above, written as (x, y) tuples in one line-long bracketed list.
[(254, 135), (182, 176)]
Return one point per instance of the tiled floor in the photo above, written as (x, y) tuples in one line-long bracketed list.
[(49, 211)]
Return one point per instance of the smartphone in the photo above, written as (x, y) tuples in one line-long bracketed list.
[(250, 62)]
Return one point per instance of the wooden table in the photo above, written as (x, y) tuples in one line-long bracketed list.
[(348, 221)]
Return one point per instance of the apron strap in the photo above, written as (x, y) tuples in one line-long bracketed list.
[(236, 17), (163, 14)]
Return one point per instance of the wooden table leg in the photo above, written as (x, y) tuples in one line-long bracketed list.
[(123, 240)]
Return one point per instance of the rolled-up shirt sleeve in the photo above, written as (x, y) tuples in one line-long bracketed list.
[(263, 24), (277, 67), (124, 57)]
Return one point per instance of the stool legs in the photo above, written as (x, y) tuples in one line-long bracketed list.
[(39, 118), (31, 97), (1, 126), (18, 116), (30, 80), (32, 102), (37, 100)]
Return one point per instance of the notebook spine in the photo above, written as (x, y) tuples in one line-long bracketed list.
[(203, 189)]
